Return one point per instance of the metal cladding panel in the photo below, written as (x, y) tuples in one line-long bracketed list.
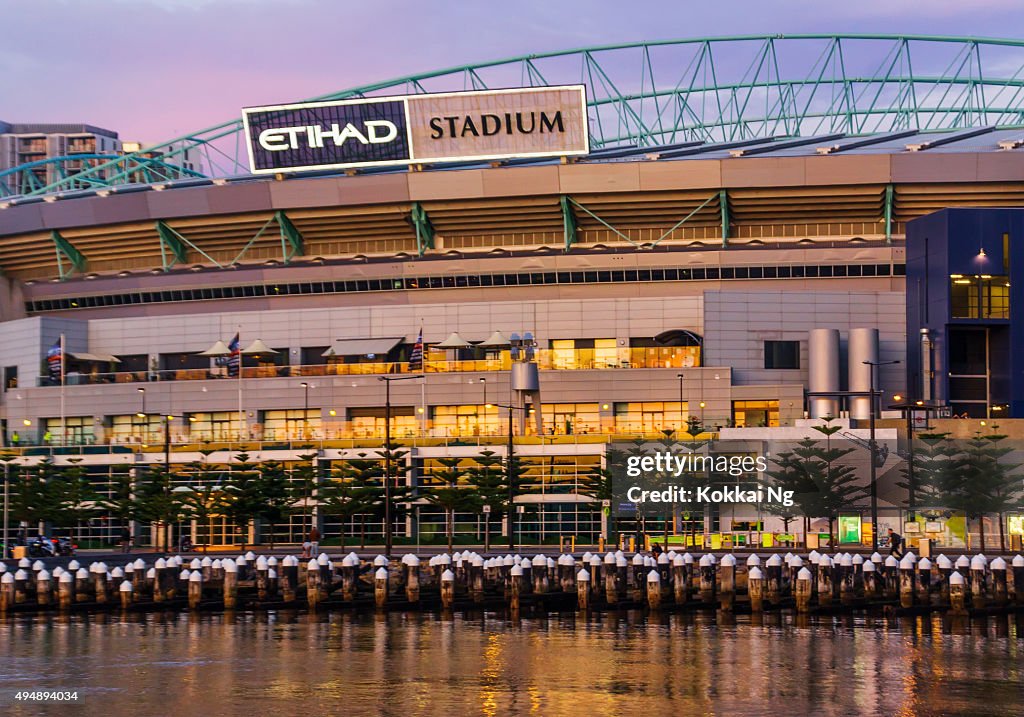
[(525, 377), (862, 346), (823, 370)]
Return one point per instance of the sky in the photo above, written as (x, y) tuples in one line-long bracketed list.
[(156, 69)]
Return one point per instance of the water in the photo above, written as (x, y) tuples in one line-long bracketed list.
[(399, 664)]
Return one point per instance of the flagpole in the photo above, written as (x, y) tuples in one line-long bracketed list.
[(241, 412), (63, 381)]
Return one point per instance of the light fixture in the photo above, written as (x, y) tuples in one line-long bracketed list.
[(419, 410), (920, 403), (897, 397), (983, 423), (140, 414), (604, 406), (332, 412), (26, 422), (702, 404), (956, 276), (192, 419)]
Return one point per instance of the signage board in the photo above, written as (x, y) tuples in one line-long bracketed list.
[(418, 129)]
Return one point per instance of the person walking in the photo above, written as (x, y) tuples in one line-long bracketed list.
[(895, 544), (15, 439), (314, 542)]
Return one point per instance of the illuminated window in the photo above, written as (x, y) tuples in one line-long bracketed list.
[(78, 430), (292, 424), (217, 426), (751, 414), (650, 416)]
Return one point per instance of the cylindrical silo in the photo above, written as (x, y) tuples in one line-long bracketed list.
[(823, 371), (863, 346)]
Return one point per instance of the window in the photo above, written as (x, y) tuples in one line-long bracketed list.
[(293, 424), (979, 296), (782, 354), (78, 431), (217, 426), (467, 420), (750, 414), (650, 416)]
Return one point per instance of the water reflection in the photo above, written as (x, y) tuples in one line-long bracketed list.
[(624, 662)]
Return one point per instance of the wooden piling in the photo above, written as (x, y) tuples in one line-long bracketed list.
[(707, 579), (516, 582), (907, 581), (125, 590), (195, 589), (447, 590), (380, 586), (680, 587), (412, 579), (755, 589), (540, 574), (802, 590), (924, 581), (289, 577), (1018, 579), (957, 594), (349, 578), (6, 591), (230, 585), (872, 588), (313, 583), (583, 590), (847, 578), (824, 581), (727, 581), (20, 586), (65, 591), (998, 571), (978, 586), (892, 578), (773, 579), (654, 589)]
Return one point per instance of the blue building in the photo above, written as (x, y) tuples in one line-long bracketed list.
[(965, 343)]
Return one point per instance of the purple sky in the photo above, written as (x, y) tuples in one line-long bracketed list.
[(155, 69)]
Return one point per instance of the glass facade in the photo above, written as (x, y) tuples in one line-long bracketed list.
[(750, 414), (982, 296)]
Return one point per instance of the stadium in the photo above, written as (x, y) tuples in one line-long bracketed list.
[(737, 250)]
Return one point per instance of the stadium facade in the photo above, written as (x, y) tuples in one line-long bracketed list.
[(664, 278)]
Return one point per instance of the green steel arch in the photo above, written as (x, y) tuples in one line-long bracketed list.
[(714, 89)]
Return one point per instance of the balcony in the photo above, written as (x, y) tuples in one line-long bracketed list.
[(547, 359)]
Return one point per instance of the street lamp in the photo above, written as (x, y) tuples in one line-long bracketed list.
[(388, 538), (873, 446), (509, 471), (681, 421), (483, 383), (305, 410)]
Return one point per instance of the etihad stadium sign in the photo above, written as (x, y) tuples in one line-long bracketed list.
[(418, 129)]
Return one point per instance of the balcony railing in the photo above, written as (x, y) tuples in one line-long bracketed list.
[(547, 360)]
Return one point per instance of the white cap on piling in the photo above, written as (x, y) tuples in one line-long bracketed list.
[(217, 564), (891, 562), (869, 567), (7, 578), (241, 560), (846, 560), (775, 560), (963, 562), (151, 574), (714, 560), (814, 556), (381, 574), (540, 561), (230, 566), (687, 558), (551, 563), (804, 574), (117, 573), (907, 561), (706, 560), (43, 574), (516, 570), (456, 555), (876, 557), (526, 564), (446, 577), (654, 577), (978, 562), (290, 561), (823, 559), (858, 559), (638, 559), (349, 562), (786, 557), (24, 563), (595, 561), (72, 566), (160, 564), (609, 558), (956, 578), (672, 555), (126, 587), (997, 564), (755, 573), (381, 560), (508, 560), (250, 555), (206, 562), (924, 564), (621, 562), (943, 562), (476, 561), (322, 558), (413, 561), (910, 554), (140, 564), (587, 556), (195, 577), (795, 562), (82, 574), (261, 563), (663, 559), (442, 559), (272, 574), (678, 561), (195, 564), (20, 574), (728, 561), (313, 565), (618, 553), (129, 568), (1018, 561), (38, 565), (753, 561), (66, 577), (650, 562), (58, 571), (433, 561), (184, 574), (982, 556), (583, 576)]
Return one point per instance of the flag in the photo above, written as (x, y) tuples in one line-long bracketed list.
[(232, 360), (54, 361), (416, 357)]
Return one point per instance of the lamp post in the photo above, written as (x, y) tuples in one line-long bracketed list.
[(479, 428), (873, 446), (509, 471), (142, 413), (305, 410), (681, 421), (388, 537)]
